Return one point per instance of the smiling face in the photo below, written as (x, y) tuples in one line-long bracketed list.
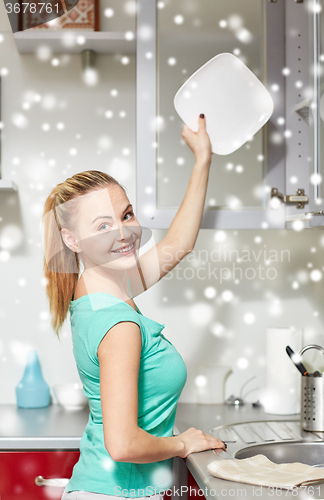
[(105, 226)]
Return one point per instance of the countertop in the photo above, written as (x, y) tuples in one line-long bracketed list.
[(50, 428), (54, 428), (206, 417)]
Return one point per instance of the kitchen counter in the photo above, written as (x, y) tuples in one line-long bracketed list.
[(54, 428), (206, 417), (203, 416), (50, 428)]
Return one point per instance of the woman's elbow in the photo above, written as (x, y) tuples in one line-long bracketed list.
[(118, 453), (114, 454), (121, 443)]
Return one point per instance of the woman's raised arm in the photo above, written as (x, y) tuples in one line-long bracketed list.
[(183, 231)]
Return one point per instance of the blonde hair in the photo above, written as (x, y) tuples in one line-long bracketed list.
[(61, 265)]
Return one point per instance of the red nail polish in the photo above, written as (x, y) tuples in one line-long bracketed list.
[(202, 115)]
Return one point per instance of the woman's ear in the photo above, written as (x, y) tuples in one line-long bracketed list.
[(70, 240)]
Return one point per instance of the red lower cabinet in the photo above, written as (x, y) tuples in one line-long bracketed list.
[(167, 495), (193, 488), (18, 470)]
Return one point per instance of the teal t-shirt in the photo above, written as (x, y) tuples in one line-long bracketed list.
[(162, 376)]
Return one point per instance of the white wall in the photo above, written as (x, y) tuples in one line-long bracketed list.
[(37, 160), (201, 328)]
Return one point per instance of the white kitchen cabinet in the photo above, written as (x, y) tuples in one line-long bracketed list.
[(173, 40), (316, 114)]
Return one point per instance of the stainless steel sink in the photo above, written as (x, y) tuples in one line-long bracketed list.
[(304, 452), (282, 441)]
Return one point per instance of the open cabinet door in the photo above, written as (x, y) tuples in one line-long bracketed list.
[(172, 42), (316, 115)]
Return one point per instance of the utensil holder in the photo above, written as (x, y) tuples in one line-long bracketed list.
[(312, 398)]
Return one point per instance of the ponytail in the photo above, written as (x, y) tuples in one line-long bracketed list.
[(62, 265)]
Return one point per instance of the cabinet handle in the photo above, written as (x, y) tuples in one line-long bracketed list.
[(59, 482)]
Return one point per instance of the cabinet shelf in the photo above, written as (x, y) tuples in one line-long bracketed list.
[(102, 42), (7, 185), (302, 108)]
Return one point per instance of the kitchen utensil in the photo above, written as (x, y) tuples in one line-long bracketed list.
[(312, 393), (32, 391), (210, 383), (236, 104), (295, 359), (71, 396)]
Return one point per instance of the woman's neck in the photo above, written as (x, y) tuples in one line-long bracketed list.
[(93, 282)]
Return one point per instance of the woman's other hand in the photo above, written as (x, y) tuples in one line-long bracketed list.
[(198, 142), (196, 440)]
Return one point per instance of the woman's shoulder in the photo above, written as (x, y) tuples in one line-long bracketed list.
[(100, 301), (99, 297)]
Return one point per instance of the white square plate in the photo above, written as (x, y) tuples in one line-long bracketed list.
[(236, 104)]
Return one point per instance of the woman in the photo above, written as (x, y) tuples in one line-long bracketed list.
[(132, 375)]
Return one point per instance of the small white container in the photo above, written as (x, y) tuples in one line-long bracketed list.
[(210, 383), (70, 396)]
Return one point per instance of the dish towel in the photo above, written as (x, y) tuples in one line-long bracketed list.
[(261, 471)]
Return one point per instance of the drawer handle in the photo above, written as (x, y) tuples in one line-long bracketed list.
[(59, 482)]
